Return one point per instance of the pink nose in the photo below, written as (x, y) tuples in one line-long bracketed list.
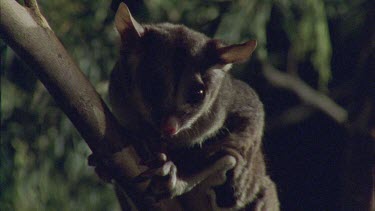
[(169, 126), (170, 131)]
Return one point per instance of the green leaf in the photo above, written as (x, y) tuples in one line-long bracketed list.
[(307, 27)]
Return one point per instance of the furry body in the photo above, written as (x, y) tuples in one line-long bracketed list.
[(171, 88)]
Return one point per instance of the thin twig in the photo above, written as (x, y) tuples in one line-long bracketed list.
[(307, 94)]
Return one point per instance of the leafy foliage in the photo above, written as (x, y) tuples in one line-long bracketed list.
[(307, 28)]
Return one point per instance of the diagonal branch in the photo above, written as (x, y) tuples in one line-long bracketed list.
[(42, 51), (307, 94), (27, 32)]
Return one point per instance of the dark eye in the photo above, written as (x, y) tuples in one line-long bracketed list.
[(196, 94)]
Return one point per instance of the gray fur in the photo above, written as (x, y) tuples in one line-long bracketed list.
[(152, 79)]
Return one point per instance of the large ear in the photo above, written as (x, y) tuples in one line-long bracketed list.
[(126, 25), (237, 53)]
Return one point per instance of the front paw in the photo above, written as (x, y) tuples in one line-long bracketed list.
[(164, 182)]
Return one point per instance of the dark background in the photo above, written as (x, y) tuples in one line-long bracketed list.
[(318, 162)]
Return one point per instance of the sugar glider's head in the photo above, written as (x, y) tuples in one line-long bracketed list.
[(175, 72)]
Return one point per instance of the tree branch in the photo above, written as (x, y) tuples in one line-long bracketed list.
[(27, 32), (307, 94), (45, 55)]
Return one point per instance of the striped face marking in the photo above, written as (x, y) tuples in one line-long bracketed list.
[(174, 80), (170, 76)]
